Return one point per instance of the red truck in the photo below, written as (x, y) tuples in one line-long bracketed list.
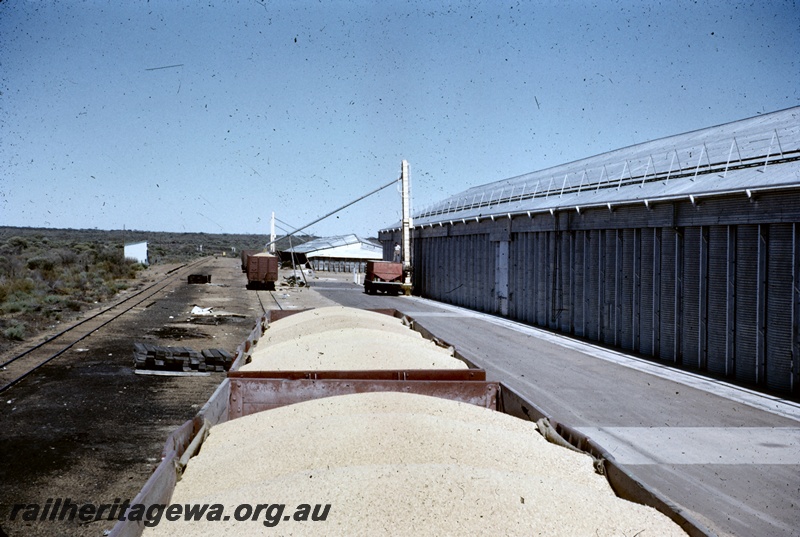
[(385, 276)]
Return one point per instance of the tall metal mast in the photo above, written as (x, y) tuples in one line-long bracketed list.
[(272, 235), (406, 229)]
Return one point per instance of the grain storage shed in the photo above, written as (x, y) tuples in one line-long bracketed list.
[(686, 249), (138, 252), (342, 253)]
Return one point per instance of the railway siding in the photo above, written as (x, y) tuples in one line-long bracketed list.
[(85, 426)]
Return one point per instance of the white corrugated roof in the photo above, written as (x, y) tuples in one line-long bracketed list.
[(752, 154), (339, 247)]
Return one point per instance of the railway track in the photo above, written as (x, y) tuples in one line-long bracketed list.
[(24, 364), (272, 296)]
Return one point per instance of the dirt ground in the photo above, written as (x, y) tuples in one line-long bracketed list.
[(87, 428)]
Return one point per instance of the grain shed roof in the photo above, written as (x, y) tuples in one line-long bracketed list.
[(760, 153), (339, 247)]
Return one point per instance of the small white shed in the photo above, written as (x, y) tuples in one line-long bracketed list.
[(138, 252)]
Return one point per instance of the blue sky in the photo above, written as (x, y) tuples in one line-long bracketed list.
[(175, 116)]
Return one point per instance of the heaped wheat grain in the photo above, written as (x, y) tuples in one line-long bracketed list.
[(402, 464), (354, 348), (330, 318), (346, 339)]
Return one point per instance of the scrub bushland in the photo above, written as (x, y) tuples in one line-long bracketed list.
[(42, 279), (51, 275)]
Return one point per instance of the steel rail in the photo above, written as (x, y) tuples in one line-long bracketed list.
[(87, 319), (168, 278)]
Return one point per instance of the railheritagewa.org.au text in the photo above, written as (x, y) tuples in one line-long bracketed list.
[(64, 509)]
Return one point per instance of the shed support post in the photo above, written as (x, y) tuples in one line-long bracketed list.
[(571, 282), (730, 300), (585, 286), (554, 266), (657, 292), (501, 277), (637, 290), (794, 382), (601, 283), (618, 276), (702, 316), (761, 305), (678, 326)]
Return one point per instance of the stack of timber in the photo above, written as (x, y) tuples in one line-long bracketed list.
[(155, 357)]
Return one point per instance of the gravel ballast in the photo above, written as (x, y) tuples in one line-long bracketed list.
[(402, 464)]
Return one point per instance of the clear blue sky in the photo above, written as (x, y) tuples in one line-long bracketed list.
[(176, 116)]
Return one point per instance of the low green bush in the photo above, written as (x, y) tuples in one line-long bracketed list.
[(15, 331), (41, 263)]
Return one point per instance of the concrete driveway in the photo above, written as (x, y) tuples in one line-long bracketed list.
[(729, 456)]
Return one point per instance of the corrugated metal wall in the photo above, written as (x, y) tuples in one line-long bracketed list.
[(746, 302), (780, 265), (456, 270), (713, 287), (719, 362), (647, 299)]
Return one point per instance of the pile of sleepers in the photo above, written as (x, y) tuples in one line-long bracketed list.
[(146, 356)]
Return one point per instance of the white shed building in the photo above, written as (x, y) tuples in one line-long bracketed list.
[(138, 252), (342, 253)]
